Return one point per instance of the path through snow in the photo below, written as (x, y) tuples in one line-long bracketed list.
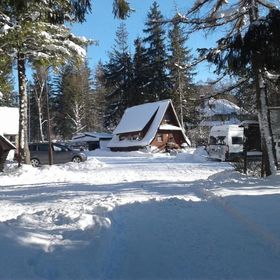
[(138, 216)]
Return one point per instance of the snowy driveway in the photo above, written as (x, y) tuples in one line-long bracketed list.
[(135, 216)]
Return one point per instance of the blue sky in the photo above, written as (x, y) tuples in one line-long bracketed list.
[(101, 26)]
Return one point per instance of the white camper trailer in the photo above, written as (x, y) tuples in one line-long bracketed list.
[(228, 142), (225, 142)]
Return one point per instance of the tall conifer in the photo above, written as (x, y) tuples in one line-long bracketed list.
[(118, 76), (158, 86)]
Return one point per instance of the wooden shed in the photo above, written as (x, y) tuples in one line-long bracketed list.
[(154, 125)]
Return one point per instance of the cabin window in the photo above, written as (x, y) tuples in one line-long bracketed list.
[(122, 138), (136, 137), (212, 140), (160, 138), (237, 140)]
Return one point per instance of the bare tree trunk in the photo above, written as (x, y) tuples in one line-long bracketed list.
[(38, 98), (23, 150), (42, 79), (40, 116)]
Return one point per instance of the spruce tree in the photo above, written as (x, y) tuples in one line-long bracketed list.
[(140, 71), (158, 85), (118, 77), (6, 82), (181, 75), (99, 101)]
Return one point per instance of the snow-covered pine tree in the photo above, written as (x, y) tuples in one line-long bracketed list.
[(34, 30), (158, 85), (118, 75), (235, 18), (183, 91)]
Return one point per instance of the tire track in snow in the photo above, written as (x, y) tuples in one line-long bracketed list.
[(259, 230)]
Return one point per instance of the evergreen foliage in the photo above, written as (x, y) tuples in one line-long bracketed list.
[(34, 30), (181, 74), (141, 73), (245, 50), (72, 101), (99, 101), (6, 82), (118, 76), (158, 84)]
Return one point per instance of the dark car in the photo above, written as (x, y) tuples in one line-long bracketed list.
[(61, 154)]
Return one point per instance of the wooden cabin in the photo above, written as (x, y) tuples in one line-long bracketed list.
[(151, 125)]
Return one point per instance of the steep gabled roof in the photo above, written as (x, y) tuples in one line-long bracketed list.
[(6, 144), (137, 117)]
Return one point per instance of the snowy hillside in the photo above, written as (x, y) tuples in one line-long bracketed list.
[(138, 216)]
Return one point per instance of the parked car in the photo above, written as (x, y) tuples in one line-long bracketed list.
[(61, 154)]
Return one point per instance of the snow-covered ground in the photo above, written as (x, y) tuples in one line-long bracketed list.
[(138, 216)]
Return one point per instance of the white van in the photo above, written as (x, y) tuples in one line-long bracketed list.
[(225, 142)]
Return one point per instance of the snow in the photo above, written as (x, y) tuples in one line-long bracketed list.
[(137, 215), (136, 118), (220, 107), (91, 136), (11, 126), (169, 127)]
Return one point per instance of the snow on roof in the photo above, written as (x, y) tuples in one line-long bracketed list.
[(220, 107), (9, 120), (169, 127), (91, 136), (136, 118), (249, 122)]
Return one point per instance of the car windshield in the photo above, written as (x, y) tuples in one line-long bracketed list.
[(60, 148)]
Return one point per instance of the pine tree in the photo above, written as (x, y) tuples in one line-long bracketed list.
[(140, 70), (118, 77), (6, 82), (181, 75), (158, 85), (99, 101), (34, 30)]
